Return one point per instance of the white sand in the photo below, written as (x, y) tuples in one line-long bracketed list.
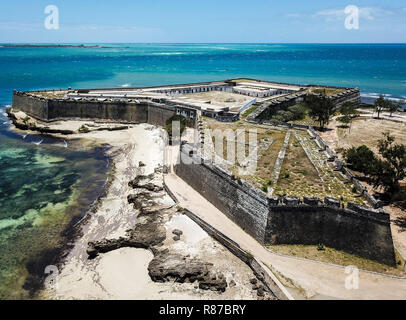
[(122, 274)]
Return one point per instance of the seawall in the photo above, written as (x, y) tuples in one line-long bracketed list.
[(133, 111)]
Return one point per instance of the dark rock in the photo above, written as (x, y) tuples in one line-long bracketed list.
[(103, 246), (177, 232), (150, 187), (332, 202), (142, 236), (217, 282), (291, 201), (273, 200), (232, 283), (142, 164), (254, 281), (174, 267), (311, 201), (138, 179), (261, 292), (139, 183), (176, 238), (139, 200)]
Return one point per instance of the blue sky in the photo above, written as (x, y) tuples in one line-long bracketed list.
[(303, 21)]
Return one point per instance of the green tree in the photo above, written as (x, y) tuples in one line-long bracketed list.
[(361, 159), (380, 104), (321, 108), (392, 167), (345, 120), (392, 107), (349, 112)]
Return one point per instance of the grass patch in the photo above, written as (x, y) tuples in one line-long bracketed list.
[(339, 257), (249, 111)]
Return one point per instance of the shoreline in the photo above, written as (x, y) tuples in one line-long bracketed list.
[(73, 230), (137, 151)]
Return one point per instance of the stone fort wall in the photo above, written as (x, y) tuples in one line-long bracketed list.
[(140, 111), (354, 229), (363, 231)]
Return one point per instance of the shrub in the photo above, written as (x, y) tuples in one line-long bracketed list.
[(298, 111), (321, 247), (361, 159), (26, 120), (84, 129), (249, 255)]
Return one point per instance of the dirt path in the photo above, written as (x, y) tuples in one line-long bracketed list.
[(317, 279)]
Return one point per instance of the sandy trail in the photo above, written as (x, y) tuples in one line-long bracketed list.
[(316, 278)]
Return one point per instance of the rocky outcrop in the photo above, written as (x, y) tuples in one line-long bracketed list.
[(150, 233), (175, 267), (146, 236), (140, 183)]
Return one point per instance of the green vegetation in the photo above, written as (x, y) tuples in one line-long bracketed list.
[(382, 104), (26, 120), (385, 171), (339, 257), (349, 112), (249, 255), (293, 113), (249, 111), (321, 108), (84, 129), (360, 159), (326, 91)]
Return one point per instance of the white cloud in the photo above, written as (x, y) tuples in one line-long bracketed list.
[(368, 13)]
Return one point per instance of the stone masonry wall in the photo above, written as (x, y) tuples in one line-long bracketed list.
[(334, 227), (242, 203), (359, 230), (36, 107), (114, 110)]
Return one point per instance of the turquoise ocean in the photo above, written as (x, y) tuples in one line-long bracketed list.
[(47, 185)]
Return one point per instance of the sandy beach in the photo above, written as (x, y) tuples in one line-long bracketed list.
[(123, 273)]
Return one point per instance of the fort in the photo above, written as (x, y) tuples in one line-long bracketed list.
[(333, 217)]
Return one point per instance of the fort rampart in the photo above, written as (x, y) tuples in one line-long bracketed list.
[(355, 229), (134, 111)]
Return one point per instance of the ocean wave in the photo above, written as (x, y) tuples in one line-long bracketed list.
[(374, 95), (167, 53), (38, 143), (126, 85)]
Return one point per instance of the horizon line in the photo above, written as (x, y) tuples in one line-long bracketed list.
[(67, 43)]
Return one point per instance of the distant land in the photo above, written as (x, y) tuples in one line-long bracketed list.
[(48, 46)]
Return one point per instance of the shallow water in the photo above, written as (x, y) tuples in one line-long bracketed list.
[(44, 189)]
